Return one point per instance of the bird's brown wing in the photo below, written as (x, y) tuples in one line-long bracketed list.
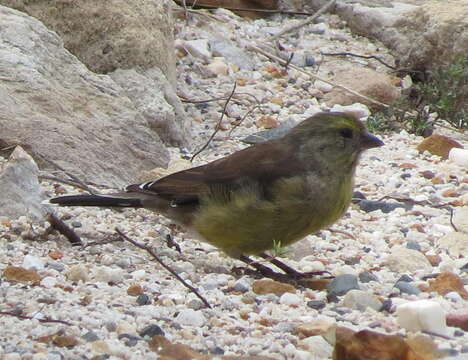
[(262, 163)]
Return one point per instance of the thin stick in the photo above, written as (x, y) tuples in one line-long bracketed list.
[(73, 177), (305, 22), (30, 318), (63, 229), (266, 11), (313, 76), (451, 220), (156, 257), (338, 231), (360, 56), (218, 125), (63, 181)]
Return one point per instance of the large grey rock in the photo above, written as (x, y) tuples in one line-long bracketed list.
[(19, 185), (111, 34), (60, 111), (421, 34), (156, 100)]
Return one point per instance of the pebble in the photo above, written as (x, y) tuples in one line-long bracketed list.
[(402, 259), (190, 317), (407, 288), (290, 299), (150, 331), (422, 315), (129, 339), (367, 276), (341, 284), (33, 263), (143, 299), (361, 300), (90, 336), (316, 304), (384, 206), (413, 245)]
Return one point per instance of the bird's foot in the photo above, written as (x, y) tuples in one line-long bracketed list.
[(289, 275)]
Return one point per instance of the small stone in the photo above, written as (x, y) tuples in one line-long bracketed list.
[(267, 122), (405, 278), (317, 347), (402, 259), (439, 145), (268, 286), (384, 206), (135, 290), (48, 282), (242, 285), (341, 284), (316, 304), (413, 245), (290, 299), (361, 300), (143, 299), (65, 341), (190, 317), (108, 275), (33, 263), (422, 315), (218, 67), (448, 282), (195, 304), (150, 331), (77, 273), (316, 327), (427, 174), (456, 243), (367, 276), (55, 265), (90, 336), (459, 156), (407, 288), (323, 86), (19, 274), (199, 48), (129, 339), (55, 254), (460, 219), (357, 109), (464, 349), (76, 224)]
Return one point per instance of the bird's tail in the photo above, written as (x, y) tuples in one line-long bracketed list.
[(111, 200)]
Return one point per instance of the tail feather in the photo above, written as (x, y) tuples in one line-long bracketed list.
[(96, 200)]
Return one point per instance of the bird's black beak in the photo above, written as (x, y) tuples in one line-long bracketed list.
[(369, 141)]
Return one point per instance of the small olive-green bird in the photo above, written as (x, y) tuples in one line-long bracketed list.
[(275, 192)]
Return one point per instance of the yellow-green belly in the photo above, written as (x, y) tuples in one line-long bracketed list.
[(246, 223)]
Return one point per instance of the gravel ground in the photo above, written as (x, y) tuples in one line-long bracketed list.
[(109, 292)]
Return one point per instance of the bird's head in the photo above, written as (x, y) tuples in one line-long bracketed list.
[(334, 139)]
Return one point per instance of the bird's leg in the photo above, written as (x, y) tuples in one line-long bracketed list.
[(264, 270), (289, 270)]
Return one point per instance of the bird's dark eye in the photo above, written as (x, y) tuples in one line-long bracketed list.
[(346, 133)]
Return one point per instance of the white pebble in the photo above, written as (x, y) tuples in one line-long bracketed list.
[(459, 156), (107, 274), (190, 317), (454, 296), (48, 282), (139, 274), (323, 86), (33, 262), (357, 109), (290, 299), (422, 315)]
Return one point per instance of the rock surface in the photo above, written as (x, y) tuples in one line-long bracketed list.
[(19, 185), (66, 114), (109, 35)]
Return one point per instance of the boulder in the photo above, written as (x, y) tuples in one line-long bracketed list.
[(62, 113)]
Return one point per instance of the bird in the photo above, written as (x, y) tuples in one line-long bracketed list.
[(274, 192)]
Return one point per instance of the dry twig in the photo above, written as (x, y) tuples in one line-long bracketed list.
[(313, 76), (63, 229), (306, 22), (360, 56), (217, 125), (156, 257), (46, 320)]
